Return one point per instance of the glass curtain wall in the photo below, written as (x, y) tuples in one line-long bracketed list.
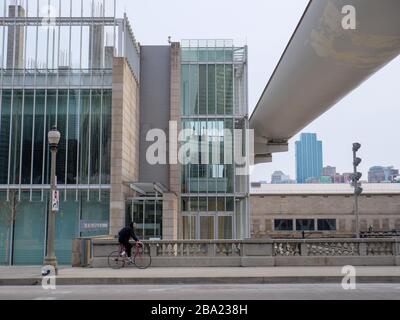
[(57, 74), (23, 224), (209, 113), (83, 118)]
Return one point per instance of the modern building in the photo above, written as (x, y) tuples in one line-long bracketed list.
[(328, 171), (338, 178), (114, 101), (322, 210), (278, 177), (347, 177), (308, 157), (214, 197), (378, 174)]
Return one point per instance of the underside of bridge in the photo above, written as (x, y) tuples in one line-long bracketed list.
[(322, 63)]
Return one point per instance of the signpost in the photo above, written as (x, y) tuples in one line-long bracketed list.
[(55, 201)]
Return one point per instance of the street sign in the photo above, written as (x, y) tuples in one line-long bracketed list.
[(55, 201), (94, 225)]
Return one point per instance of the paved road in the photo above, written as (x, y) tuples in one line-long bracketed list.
[(206, 292)]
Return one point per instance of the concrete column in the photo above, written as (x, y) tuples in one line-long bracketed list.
[(15, 50), (96, 43)]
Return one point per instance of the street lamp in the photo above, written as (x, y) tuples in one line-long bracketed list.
[(50, 259), (355, 178)]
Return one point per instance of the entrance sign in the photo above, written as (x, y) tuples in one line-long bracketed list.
[(55, 201)]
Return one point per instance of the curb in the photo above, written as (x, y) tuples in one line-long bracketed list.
[(198, 280)]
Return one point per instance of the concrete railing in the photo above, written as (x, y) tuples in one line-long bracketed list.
[(277, 252)]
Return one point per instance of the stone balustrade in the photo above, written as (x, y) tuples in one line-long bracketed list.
[(276, 252)]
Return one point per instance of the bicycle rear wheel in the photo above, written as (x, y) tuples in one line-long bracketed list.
[(142, 259), (115, 261)]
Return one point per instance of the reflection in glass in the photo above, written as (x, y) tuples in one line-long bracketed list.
[(189, 227), (207, 227), (225, 227)]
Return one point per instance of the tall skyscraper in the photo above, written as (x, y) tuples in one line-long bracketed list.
[(308, 157)]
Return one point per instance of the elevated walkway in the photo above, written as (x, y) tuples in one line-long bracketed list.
[(322, 63)]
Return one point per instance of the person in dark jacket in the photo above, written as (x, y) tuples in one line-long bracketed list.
[(124, 236)]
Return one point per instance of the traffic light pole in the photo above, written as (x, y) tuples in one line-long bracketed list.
[(356, 197)]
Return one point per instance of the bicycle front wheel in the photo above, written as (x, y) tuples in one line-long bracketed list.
[(115, 261), (142, 259)]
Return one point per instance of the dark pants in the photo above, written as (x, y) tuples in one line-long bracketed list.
[(128, 248)]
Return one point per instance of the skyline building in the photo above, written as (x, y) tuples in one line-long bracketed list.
[(378, 174), (278, 177), (328, 171), (308, 157)]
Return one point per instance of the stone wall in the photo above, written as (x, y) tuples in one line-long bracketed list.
[(380, 211), (170, 217), (261, 253), (124, 140)]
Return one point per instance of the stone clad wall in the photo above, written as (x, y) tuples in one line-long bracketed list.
[(380, 211), (124, 140), (171, 222), (170, 216)]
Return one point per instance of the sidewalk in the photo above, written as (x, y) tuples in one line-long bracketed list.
[(79, 276)]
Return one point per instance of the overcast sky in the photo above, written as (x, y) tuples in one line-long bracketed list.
[(266, 27)]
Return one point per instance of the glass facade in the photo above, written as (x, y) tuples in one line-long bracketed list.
[(213, 87), (83, 118), (23, 224), (308, 157)]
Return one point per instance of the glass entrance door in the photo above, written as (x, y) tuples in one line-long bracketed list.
[(215, 226)]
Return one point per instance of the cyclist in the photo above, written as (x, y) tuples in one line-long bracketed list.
[(124, 236)]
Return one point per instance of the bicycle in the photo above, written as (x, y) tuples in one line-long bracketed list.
[(141, 258)]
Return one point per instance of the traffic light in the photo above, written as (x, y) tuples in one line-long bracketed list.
[(355, 182), (356, 147), (357, 161), (356, 176)]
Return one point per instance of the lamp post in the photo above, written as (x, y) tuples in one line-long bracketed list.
[(50, 259), (355, 177)]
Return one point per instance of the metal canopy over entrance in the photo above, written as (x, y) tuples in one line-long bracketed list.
[(148, 188)]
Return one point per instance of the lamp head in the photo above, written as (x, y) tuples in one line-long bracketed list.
[(54, 136)]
